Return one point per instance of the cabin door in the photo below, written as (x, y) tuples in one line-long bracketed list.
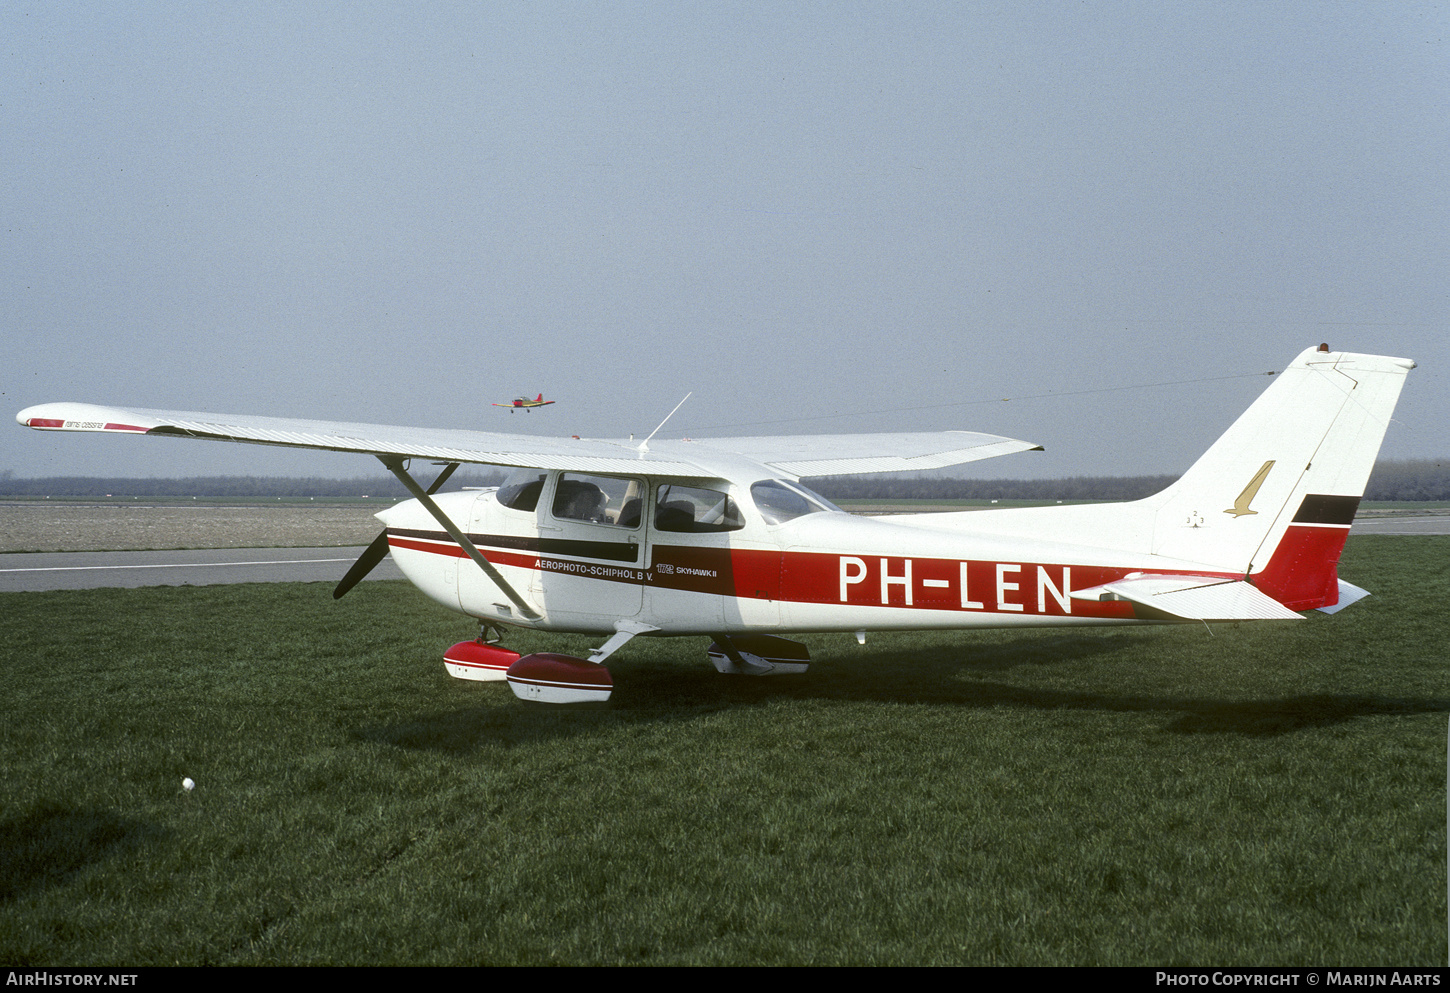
[(591, 549)]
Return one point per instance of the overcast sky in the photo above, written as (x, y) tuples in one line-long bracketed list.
[(830, 217)]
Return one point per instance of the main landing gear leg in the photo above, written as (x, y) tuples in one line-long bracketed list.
[(758, 655)]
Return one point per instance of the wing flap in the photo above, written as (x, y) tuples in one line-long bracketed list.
[(1192, 598)]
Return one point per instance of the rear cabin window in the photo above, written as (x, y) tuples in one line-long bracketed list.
[(695, 510)]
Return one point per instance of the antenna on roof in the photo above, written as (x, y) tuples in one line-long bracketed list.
[(644, 445)]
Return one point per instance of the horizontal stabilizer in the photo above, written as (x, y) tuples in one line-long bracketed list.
[(1348, 594), (1192, 598)]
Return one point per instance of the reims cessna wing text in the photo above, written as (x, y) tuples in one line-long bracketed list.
[(719, 537)]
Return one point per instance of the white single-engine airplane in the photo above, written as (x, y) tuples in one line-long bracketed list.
[(718, 537)]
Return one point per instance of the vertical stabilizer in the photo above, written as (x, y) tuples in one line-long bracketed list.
[(1275, 495)]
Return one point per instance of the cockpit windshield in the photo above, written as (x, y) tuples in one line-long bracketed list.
[(522, 488), (779, 501)]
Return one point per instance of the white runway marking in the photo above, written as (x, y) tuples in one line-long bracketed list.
[(39, 571), (170, 565)]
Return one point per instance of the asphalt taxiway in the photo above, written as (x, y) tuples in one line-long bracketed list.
[(1394, 524), (37, 571)]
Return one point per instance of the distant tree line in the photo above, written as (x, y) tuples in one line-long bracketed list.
[(1407, 479), (1410, 479), (1072, 488)]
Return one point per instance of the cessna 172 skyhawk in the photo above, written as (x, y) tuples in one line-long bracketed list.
[(718, 537)]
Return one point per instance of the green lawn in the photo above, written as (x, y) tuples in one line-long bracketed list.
[(1269, 794)]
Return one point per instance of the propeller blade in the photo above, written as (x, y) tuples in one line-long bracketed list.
[(365, 564)]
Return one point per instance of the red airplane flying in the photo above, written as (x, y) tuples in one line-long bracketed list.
[(524, 403)]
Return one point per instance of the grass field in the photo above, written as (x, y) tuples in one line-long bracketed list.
[(1268, 794)]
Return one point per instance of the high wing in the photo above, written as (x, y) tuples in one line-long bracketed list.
[(789, 455)]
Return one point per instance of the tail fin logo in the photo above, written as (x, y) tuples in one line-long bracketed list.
[(1241, 505)]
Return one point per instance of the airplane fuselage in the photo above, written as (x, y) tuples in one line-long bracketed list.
[(822, 571)]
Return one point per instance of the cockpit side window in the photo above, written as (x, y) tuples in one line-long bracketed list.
[(520, 491), (779, 501), (695, 510), (598, 499)]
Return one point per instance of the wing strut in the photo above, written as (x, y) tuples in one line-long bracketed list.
[(395, 466)]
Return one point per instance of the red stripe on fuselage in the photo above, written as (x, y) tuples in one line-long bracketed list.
[(969, 586), (829, 578), (446, 546)]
